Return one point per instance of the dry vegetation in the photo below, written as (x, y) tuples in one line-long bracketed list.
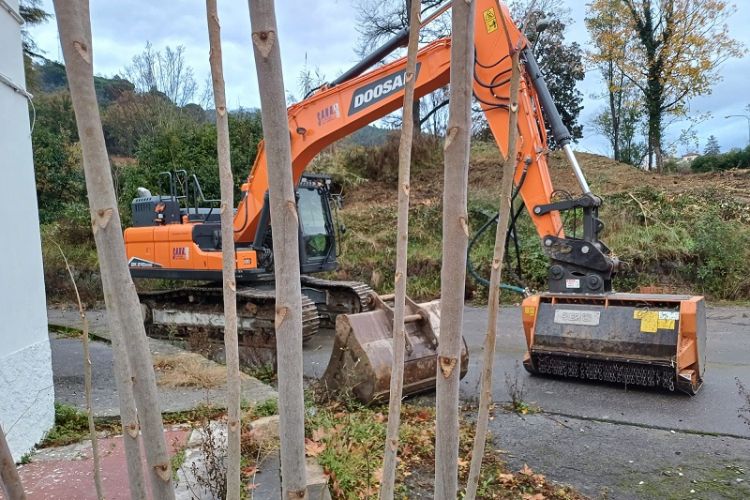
[(188, 370), (687, 232)]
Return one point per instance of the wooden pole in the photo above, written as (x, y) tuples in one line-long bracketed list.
[(10, 482), (120, 295), (455, 241), (226, 181), (402, 241), (493, 303), (285, 224), (87, 381)]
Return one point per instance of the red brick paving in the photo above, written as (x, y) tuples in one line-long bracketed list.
[(72, 476)]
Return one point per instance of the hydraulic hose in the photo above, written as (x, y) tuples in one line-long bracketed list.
[(470, 265)]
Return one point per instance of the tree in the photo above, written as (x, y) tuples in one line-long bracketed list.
[(402, 248), (32, 15), (455, 242), (493, 302), (560, 62), (231, 344), (380, 20), (133, 365), (624, 103), (676, 48), (712, 146), (285, 224), (165, 72)]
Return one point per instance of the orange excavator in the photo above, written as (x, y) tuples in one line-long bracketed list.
[(579, 328)]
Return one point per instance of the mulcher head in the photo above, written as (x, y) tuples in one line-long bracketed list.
[(632, 339), (362, 356)]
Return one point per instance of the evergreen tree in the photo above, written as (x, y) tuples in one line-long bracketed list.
[(712, 146)]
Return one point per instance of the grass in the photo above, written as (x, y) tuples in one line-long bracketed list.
[(71, 426), (347, 440), (725, 480)]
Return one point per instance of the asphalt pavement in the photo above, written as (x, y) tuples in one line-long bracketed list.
[(608, 440)]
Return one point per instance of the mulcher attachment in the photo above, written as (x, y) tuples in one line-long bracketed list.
[(633, 339), (362, 355)]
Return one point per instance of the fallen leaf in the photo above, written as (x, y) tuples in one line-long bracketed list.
[(313, 449), (537, 496), (319, 434), (526, 470), (379, 418), (506, 478)]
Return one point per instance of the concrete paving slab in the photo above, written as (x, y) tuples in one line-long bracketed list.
[(67, 366)]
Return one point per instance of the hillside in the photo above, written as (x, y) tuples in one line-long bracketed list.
[(685, 232)]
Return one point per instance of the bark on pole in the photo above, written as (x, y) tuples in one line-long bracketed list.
[(285, 224), (455, 241), (123, 308), (10, 482), (226, 181), (493, 304), (402, 239)]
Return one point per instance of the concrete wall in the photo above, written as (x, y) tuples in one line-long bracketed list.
[(26, 388)]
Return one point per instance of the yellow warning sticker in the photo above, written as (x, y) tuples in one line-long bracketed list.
[(649, 320), (490, 20), (529, 310), (665, 324)]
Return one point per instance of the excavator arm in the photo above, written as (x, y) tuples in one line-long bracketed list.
[(351, 103)]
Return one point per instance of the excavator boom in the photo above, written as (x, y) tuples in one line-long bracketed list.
[(579, 328)]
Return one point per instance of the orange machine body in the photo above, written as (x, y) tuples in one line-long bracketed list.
[(333, 113)]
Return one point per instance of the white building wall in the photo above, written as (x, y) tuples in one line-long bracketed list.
[(26, 387)]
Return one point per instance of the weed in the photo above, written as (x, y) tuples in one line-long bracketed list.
[(264, 372), (71, 426), (744, 411), (347, 441), (25, 459), (176, 463), (210, 471), (516, 388), (265, 409)]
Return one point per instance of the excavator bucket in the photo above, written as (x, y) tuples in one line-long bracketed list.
[(633, 339), (362, 356)]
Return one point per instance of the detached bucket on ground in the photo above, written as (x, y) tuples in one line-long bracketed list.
[(362, 356)]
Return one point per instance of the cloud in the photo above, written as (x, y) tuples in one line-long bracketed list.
[(325, 32)]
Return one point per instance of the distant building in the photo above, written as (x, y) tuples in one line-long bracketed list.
[(688, 158), (26, 387)]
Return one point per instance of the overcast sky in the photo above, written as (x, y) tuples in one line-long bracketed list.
[(324, 31)]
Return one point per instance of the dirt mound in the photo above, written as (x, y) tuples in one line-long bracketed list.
[(606, 176)]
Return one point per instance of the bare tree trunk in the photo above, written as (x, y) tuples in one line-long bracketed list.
[(402, 241), (10, 482), (285, 224), (120, 296), (87, 382), (455, 241), (226, 180), (493, 304)]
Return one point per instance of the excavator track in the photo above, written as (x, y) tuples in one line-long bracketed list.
[(334, 297), (195, 316)]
